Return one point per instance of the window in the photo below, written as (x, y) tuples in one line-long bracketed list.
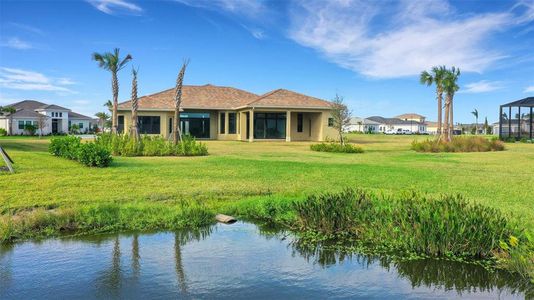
[(231, 123), (269, 125), (70, 124), (120, 126), (80, 125), (28, 122), (21, 124), (149, 124), (300, 122), (61, 115), (222, 123), (35, 123), (330, 122), (170, 125)]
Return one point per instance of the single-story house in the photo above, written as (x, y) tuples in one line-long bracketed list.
[(56, 119), (398, 125), (227, 113), (358, 124), (412, 117)]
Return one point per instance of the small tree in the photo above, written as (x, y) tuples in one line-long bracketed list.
[(103, 120), (9, 110), (134, 130), (486, 125), (41, 123), (74, 129), (341, 116)]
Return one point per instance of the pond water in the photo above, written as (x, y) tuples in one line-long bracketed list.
[(240, 261)]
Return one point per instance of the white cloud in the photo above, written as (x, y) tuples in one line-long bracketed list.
[(255, 32), (18, 79), (17, 43), (27, 28), (529, 89), (111, 7), (482, 86), (395, 40), (248, 8)]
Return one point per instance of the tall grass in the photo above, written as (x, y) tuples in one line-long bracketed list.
[(336, 147), (459, 144)]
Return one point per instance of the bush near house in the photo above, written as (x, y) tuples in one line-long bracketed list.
[(30, 129), (336, 147), (3, 132), (459, 144), (125, 145), (89, 154)]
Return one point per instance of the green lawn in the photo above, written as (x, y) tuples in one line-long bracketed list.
[(237, 170)]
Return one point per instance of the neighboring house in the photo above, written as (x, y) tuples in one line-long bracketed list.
[(398, 125), (431, 127), (412, 117), (57, 119), (358, 124), (226, 113)]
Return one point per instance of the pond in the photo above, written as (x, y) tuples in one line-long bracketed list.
[(240, 261)]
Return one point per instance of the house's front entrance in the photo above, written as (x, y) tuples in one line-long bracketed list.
[(55, 126)]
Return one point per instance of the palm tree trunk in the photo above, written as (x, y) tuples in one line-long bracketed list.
[(115, 89), (440, 112), (451, 121), (176, 126), (446, 123), (10, 125)]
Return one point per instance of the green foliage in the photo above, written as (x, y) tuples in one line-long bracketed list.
[(74, 128), (93, 155), (3, 132), (30, 129), (66, 146), (335, 147), (125, 145), (459, 144), (89, 154)]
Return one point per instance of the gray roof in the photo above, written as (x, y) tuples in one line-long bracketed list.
[(53, 106), (77, 116), (526, 102), (355, 120), (392, 121)]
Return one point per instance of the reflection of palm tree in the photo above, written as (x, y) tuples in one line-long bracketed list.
[(109, 282), (135, 256), (180, 272)]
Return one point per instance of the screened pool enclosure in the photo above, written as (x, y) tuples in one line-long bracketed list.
[(516, 119)]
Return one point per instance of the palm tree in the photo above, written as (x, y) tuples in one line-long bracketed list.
[(102, 118), (436, 76), (177, 135), (450, 86), (112, 62), (9, 110), (109, 105), (134, 131), (475, 113)]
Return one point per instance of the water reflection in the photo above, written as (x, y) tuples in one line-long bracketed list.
[(227, 260)]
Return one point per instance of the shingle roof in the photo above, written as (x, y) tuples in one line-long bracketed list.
[(219, 97), (26, 108), (392, 121), (196, 96), (77, 116), (355, 120), (53, 106), (286, 98), (410, 116)]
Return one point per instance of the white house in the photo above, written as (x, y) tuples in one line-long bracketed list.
[(398, 125), (358, 124), (56, 119)]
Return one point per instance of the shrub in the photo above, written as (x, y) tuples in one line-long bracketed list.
[(30, 129), (89, 154), (459, 144), (125, 145), (3, 132), (65, 146), (93, 155), (335, 147)]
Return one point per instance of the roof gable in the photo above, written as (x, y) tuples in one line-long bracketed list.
[(286, 98)]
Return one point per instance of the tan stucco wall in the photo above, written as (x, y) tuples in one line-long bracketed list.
[(319, 123)]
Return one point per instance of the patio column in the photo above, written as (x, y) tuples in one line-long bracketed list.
[(510, 121), (500, 122), (519, 123), (288, 126), (251, 127), (531, 122)]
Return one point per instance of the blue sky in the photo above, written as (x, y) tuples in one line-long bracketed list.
[(370, 52)]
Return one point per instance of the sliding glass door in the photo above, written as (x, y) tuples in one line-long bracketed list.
[(269, 125)]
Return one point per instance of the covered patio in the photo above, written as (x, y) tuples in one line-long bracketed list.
[(516, 119)]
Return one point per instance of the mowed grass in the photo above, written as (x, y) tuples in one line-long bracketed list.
[(238, 170)]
